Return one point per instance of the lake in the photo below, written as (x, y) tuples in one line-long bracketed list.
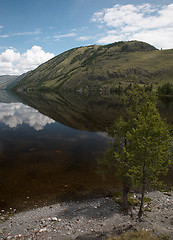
[(50, 144)]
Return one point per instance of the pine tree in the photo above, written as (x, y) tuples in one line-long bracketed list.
[(141, 150)]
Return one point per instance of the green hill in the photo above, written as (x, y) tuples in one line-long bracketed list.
[(102, 68)]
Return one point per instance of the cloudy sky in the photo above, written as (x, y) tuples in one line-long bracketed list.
[(33, 31)]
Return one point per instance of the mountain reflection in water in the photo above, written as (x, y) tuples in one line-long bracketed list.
[(49, 146), (92, 113), (49, 151)]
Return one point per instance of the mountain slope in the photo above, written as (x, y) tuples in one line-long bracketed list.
[(6, 80), (101, 67)]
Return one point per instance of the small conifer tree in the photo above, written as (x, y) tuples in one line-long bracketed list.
[(141, 149)]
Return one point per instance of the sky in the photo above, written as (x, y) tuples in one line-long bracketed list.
[(34, 31)]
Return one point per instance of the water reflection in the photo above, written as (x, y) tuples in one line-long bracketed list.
[(15, 114), (56, 162), (92, 113), (59, 160)]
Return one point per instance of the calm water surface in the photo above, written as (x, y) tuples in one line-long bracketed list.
[(43, 160), (49, 146)]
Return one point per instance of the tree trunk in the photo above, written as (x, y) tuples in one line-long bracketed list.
[(142, 195), (126, 189)]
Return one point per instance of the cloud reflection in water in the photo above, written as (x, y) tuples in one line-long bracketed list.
[(15, 114)]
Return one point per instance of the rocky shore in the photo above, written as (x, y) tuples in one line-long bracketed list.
[(89, 220)]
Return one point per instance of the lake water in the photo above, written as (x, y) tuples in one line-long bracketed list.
[(50, 143)]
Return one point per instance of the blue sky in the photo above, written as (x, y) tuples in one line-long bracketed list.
[(33, 31)]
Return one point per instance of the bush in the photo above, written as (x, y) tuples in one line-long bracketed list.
[(166, 89)]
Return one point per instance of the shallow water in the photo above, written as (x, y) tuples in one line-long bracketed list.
[(49, 146), (42, 160)]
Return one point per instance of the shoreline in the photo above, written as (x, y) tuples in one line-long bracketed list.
[(96, 218)]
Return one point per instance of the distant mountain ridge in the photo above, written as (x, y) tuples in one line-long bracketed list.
[(101, 67), (6, 80)]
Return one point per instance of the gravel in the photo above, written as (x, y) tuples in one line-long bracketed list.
[(90, 219)]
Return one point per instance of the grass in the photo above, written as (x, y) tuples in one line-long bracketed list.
[(77, 68), (133, 201), (117, 197), (140, 235)]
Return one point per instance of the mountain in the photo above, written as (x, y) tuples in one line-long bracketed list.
[(8, 81), (5, 80), (102, 67)]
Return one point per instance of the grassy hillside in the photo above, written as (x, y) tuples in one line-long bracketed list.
[(102, 68), (6, 80)]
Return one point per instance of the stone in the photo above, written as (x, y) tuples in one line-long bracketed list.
[(43, 230), (168, 194)]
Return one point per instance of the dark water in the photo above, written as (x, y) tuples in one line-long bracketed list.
[(49, 146)]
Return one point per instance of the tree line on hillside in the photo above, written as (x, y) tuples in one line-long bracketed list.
[(164, 90)]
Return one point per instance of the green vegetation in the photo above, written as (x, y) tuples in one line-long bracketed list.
[(102, 68), (132, 201), (141, 149), (165, 89), (140, 235)]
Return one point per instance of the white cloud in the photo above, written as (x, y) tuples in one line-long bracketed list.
[(72, 34), (143, 22), (110, 38), (83, 38), (98, 17), (12, 62), (51, 27), (9, 56), (24, 33), (19, 34), (4, 36), (16, 114), (1, 26), (158, 37)]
